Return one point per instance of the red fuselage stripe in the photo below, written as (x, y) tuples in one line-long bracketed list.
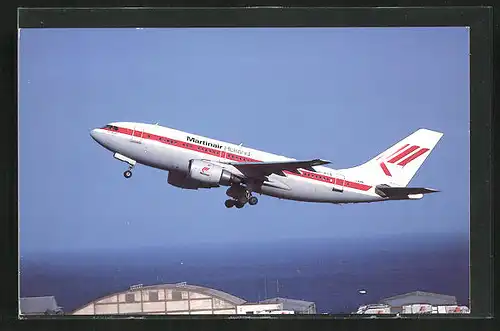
[(234, 157)]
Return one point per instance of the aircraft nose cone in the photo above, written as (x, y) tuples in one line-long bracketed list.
[(93, 134), (99, 137)]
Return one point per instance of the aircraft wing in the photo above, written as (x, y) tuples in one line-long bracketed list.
[(403, 191), (276, 167)]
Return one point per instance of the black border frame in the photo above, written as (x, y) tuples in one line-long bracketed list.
[(479, 19)]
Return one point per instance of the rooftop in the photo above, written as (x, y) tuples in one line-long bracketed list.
[(420, 297), (290, 304), (186, 287), (38, 305)]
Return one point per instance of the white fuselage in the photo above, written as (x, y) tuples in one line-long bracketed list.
[(172, 150)]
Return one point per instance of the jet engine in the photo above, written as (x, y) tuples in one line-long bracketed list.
[(210, 174), (182, 180)]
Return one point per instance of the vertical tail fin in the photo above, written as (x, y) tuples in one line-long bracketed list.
[(398, 164)]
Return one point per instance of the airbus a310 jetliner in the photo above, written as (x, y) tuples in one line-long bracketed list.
[(195, 162)]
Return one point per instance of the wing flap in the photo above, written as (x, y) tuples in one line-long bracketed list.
[(276, 167)]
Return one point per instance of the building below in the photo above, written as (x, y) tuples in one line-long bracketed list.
[(179, 299), (297, 306), (45, 305), (262, 308), (185, 299), (415, 303)]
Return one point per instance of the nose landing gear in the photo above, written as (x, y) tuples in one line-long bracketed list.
[(131, 163)]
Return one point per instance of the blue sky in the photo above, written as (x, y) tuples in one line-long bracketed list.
[(338, 94)]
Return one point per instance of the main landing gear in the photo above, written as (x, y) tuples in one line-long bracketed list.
[(241, 195)]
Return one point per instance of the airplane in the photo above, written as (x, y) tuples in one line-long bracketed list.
[(195, 162)]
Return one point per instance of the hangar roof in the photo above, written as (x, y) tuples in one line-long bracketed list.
[(38, 305), (420, 297), (290, 304), (199, 289), (180, 287)]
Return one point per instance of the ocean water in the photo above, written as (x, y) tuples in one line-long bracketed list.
[(327, 272)]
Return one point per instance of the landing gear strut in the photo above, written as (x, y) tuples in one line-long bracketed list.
[(241, 195)]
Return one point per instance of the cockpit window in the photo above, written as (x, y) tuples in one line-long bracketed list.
[(110, 127)]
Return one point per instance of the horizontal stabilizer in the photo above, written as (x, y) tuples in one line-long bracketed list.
[(387, 191)]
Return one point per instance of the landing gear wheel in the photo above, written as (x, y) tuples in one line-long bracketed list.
[(239, 204), (229, 203), (127, 174), (253, 201)]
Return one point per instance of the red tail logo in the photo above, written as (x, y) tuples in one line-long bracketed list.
[(404, 155)]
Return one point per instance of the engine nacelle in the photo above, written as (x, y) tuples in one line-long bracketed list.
[(211, 174), (182, 180)]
